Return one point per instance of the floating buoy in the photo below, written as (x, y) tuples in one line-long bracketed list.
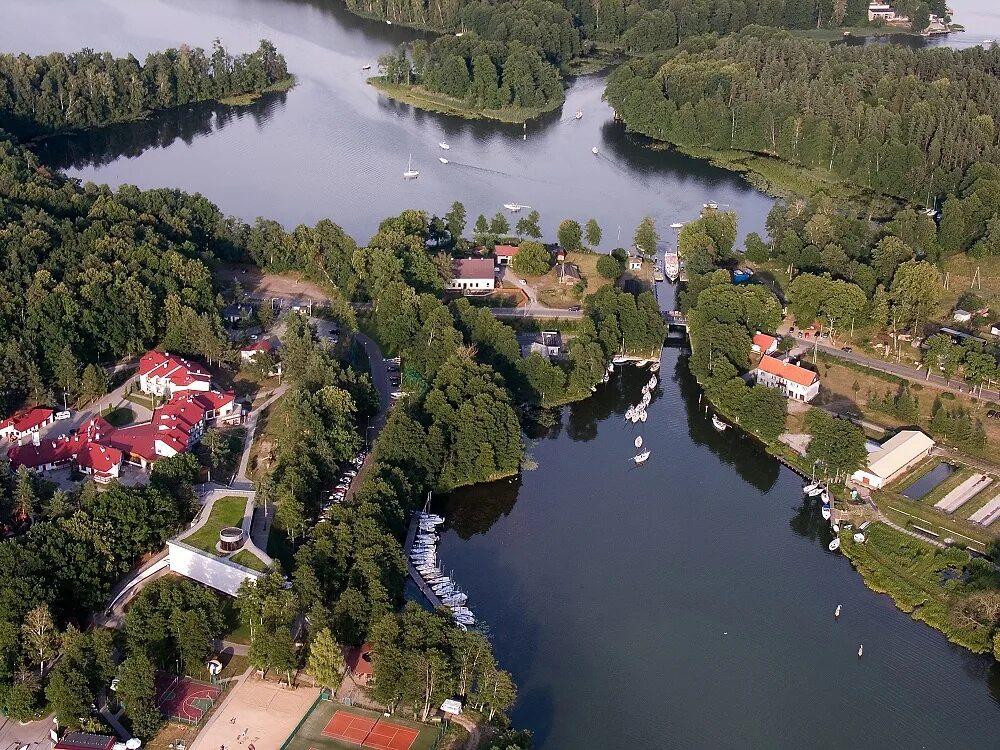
[(836, 612)]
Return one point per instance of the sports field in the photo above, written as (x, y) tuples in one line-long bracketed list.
[(334, 726)]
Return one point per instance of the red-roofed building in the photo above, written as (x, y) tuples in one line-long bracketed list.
[(793, 381), (359, 661), (764, 344), (472, 275), (247, 353), (163, 374), (505, 254), (83, 741), (26, 422), (102, 462)]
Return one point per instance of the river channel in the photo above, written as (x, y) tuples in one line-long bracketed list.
[(687, 603)]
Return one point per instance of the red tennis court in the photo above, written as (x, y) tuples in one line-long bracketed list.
[(361, 730)]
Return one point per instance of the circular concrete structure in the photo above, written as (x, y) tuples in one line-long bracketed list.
[(231, 539)]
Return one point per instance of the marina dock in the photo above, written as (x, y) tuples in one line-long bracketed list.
[(411, 534)]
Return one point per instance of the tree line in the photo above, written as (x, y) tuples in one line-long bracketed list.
[(48, 93), (905, 122), (487, 75), (63, 568)]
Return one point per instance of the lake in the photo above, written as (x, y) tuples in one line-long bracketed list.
[(687, 603)]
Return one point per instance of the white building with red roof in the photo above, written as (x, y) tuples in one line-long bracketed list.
[(26, 422), (86, 450), (472, 275), (505, 254), (764, 344), (793, 381), (163, 374), (247, 353)]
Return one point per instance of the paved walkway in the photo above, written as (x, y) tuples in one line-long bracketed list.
[(240, 480)]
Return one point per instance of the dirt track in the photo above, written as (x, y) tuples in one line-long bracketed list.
[(269, 285)]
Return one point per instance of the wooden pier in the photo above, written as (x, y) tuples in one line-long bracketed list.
[(418, 579)]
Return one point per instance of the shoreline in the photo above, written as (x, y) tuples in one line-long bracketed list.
[(430, 101)]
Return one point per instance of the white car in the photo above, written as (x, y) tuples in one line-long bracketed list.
[(61, 415)]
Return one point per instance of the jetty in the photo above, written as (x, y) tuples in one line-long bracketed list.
[(411, 534)]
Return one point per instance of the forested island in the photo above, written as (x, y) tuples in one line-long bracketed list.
[(56, 92), (884, 119)]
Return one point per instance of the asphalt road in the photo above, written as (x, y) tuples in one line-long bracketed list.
[(911, 373)]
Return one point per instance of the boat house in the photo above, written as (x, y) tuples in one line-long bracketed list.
[(470, 275), (893, 458), (793, 381)]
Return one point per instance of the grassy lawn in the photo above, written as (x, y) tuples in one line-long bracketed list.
[(914, 575), (138, 397), (249, 560), (837, 393), (227, 511), (119, 417)]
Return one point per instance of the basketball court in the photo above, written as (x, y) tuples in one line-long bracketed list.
[(184, 699), (333, 726)]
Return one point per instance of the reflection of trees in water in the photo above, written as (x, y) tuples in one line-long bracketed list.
[(101, 146), (474, 510), (808, 521), (733, 446)]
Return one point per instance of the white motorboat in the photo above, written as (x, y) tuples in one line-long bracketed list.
[(579, 113), (640, 458), (719, 424), (655, 366), (638, 442), (629, 412), (366, 67), (825, 512), (514, 207), (833, 547), (594, 149), (645, 390), (836, 612), (836, 528), (410, 173), (652, 382), (444, 145), (825, 496), (861, 650), (619, 359), (642, 416), (817, 490), (635, 417), (807, 489), (442, 160)]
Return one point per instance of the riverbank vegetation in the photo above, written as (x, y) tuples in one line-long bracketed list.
[(473, 78), (948, 589), (55, 92), (832, 107)]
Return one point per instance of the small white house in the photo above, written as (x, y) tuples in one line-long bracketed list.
[(961, 316), (764, 344), (793, 381)]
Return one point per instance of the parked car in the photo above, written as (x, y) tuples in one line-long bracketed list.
[(575, 308), (846, 349), (992, 414), (61, 415)]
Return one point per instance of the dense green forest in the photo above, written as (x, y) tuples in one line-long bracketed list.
[(570, 28), (48, 93), (488, 75), (905, 122)]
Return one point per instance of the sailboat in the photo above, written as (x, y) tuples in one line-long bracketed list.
[(594, 149), (410, 172), (579, 113), (641, 457), (444, 145), (638, 442), (655, 366), (442, 160), (833, 547), (809, 488), (719, 424)]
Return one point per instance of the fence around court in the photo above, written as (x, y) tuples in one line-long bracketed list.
[(183, 683)]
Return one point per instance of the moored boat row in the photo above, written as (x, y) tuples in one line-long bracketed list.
[(423, 555)]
